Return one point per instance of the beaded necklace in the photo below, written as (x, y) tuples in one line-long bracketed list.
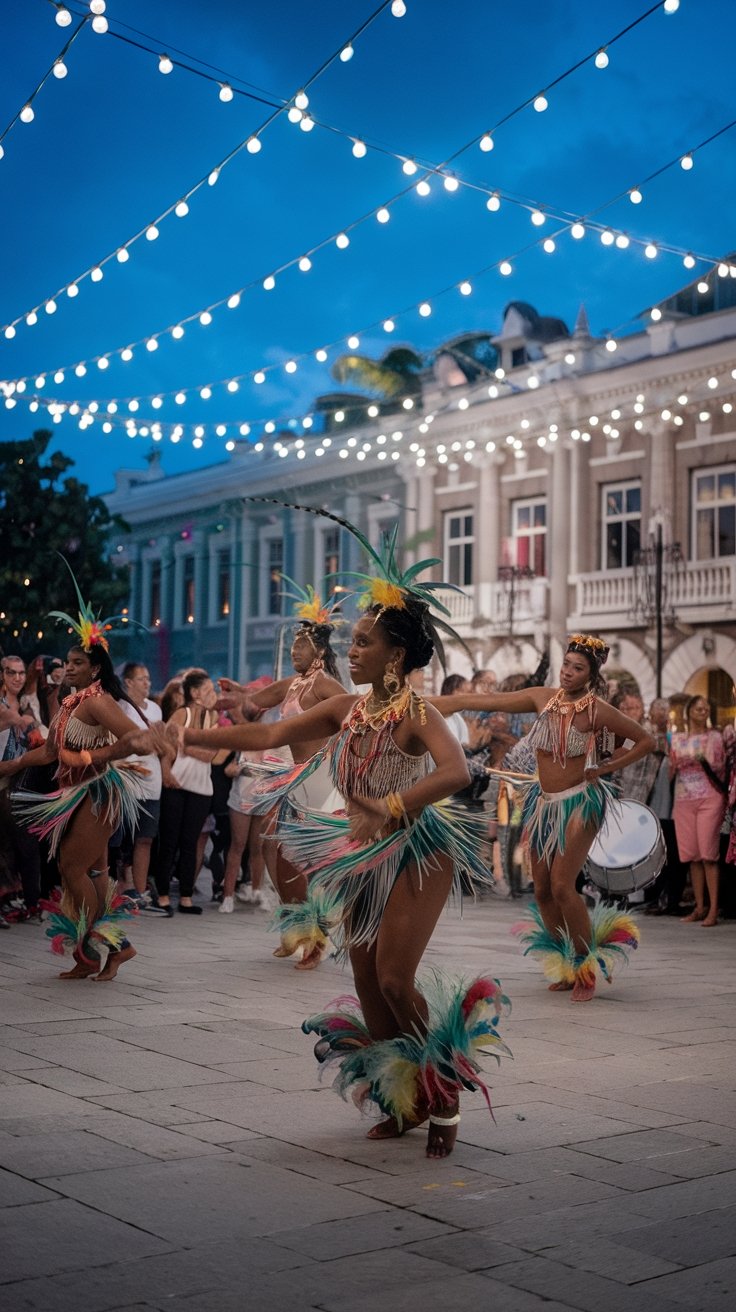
[(562, 713), (379, 717)]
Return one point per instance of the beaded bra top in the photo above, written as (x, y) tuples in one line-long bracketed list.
[(384, 768), (69, 731), (554, 732)]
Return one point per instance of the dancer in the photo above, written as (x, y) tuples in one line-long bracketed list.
[(88, 737), (564, 808), (383, 873), (315, 680)]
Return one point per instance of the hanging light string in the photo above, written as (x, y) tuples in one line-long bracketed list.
[(505, 266), (57, 69), (180, 207), (252, 144)]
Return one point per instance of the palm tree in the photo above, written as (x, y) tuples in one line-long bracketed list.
[(392, 378)]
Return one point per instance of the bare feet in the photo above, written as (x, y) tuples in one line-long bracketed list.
[(388, 1128), (114, 961), (582, 991), (283, 951), (80, 971), (311, 960), (443, 1131), (694, 915), (710, 921), (562, 987)]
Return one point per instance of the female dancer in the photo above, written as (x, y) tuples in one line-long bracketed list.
[(384, 873), (697, 761), (89, 735), (563, 810), (314, 681)]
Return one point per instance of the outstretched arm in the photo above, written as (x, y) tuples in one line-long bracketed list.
[(527, 699), (319, 722)]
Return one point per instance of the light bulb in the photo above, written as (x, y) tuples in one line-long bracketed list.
[(425, 309), (301, 100), (126, 354), (611, 345), (686, 163), (549, 246), (97, 6), (290, 366), (59, 376), (253, 145), (26, 114), (103, 362), (409, 167), (72, 290), (398, 8), (99, 24), (635, 196), (151, 232), (269, 283), (486, 142), (214, 175), (346, 54), (181, 209), (570, 357), (165, 65), (689, 261), (504, 268), (205, 393), (465, 289), (650, 251), (180, 398), (233, 301), (540, 104), (305, 264), (157, 402), (342, 241), (655, 314), (10, 332), (60, 69), (226, 92), (293, 114), (96, 274), (123, 255), (306, 123), (388, 325), (537, 218), (205, 318), (360, 150), (607, 237), (177, 332), (383, 215), (244, 430), (80, 370), (577, 231), (63, 17), (601, 59), (493, 203), (451, 182), (671, 6), (320, 355), (353, 342), (423, 188), (152, 344), (259, 377), (50, 306), (622, 241)]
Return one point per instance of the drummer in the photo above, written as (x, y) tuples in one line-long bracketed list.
[(564, 808), (636, 782)]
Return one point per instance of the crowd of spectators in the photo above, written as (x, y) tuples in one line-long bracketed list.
[(194, 818)]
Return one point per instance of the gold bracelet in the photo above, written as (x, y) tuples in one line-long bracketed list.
[(395, 806)]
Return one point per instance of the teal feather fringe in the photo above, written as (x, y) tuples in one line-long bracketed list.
[(545, 820)]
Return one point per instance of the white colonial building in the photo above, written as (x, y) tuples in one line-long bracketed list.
[(565, 484)]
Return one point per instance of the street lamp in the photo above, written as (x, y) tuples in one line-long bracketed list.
[(656, 567), (511, 576)]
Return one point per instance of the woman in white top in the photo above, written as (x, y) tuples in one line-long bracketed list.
[(186, 797), (143, 712)]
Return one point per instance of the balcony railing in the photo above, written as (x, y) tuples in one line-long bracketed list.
[(486, 605), (698, 586)]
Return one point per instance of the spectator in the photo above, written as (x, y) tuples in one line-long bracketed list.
[(137, 845), (670, 882), (186, 797), (171, 699), (456, 722), (18, 734), (697, 761)]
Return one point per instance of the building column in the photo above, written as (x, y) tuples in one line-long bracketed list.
[(661, 480), (487, 535), (201, 574), (134, 581), (561, 511), (410, 497), (354, 559), (248, 582), (426, 511), (168, 581), (579, 518)]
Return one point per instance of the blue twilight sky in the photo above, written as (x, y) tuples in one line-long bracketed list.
[(115, 143)]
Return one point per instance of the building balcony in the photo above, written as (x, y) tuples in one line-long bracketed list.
[(702, 591), (497, 609)]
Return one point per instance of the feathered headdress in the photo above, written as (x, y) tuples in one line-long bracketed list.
[(309, 608), (387, 585), (589, 644), (89, 628)]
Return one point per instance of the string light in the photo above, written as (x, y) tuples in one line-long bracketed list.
[(601, 59), (63, 17), (165, 65)]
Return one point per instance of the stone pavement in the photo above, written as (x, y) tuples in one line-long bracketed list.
[(165, 1142)]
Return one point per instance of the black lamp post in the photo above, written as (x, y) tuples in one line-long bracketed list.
[(512, 576), (656, 566)]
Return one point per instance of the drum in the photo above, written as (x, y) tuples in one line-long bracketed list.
[(628, 852)]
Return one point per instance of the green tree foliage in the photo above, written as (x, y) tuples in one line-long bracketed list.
[(42, 514), (394, 376)]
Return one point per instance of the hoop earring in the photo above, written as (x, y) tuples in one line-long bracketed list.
[(391, 680)]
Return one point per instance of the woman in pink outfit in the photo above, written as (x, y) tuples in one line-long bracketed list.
[(697, 761)]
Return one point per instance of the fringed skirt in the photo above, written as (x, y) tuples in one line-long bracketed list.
[(355, 880), (545, 816), (116, 795)]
